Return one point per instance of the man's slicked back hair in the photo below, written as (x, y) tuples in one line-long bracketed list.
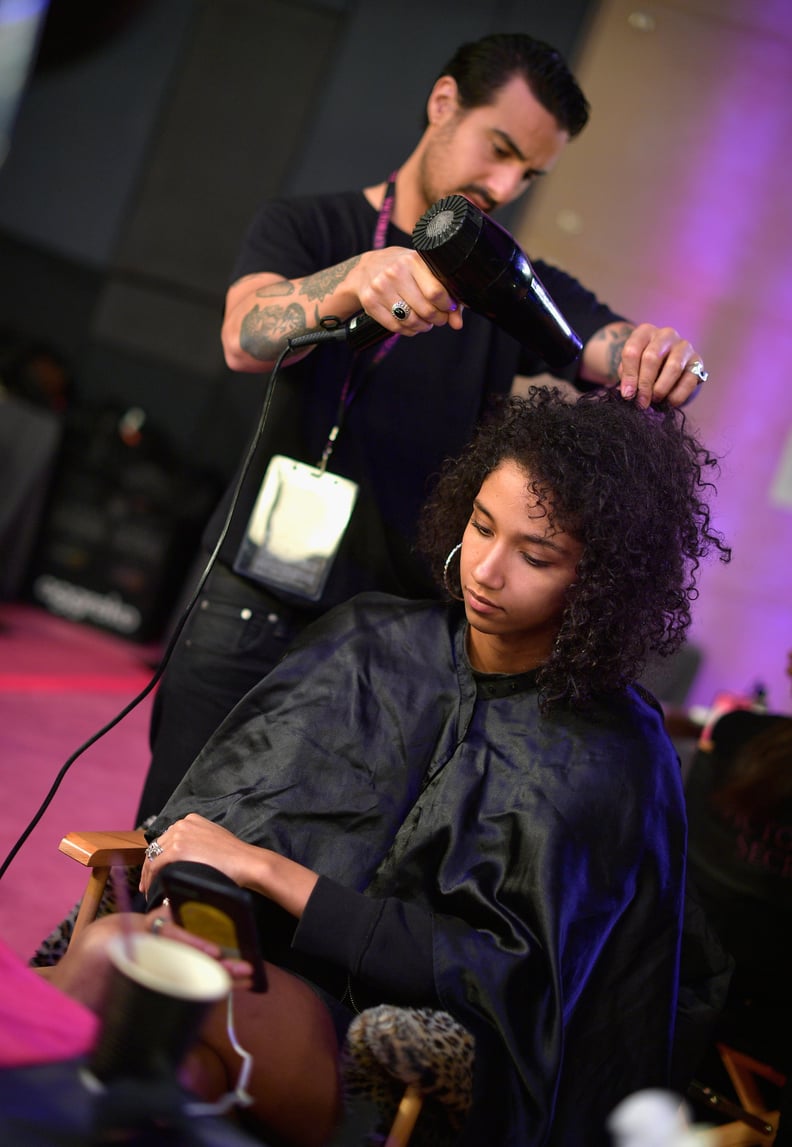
[(482, 67)]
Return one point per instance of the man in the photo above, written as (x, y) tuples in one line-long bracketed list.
[(498, 117)]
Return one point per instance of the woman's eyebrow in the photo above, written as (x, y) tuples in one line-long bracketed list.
[(535, 539)]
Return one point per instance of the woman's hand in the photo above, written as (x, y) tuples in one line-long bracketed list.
[(83, 971), (160, 922), (281, 880), (198, 839)]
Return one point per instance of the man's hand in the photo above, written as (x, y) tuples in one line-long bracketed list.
[(397, 275), (264, 311), (647, 363)]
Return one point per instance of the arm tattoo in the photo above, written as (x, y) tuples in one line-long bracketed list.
[(323, 283), (616, 337), (265, 329)]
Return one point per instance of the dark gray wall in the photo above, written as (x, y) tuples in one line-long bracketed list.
[(136, 164)]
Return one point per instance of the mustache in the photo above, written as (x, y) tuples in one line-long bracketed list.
[(480, 193)]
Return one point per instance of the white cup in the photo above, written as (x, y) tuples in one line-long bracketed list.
[(159, 995)]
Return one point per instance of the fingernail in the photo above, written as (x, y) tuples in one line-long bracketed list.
[(627, 389)]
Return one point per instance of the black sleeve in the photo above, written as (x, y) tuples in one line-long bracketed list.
[(273, 242), (302, 234), (384, 944)]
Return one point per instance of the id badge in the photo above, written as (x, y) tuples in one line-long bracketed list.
[(296, 527)]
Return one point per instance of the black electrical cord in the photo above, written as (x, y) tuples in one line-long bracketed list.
[(331, 330)]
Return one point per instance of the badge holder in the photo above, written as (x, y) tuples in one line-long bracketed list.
[(296, 527)]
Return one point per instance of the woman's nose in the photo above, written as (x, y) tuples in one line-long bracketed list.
[(488, 571)]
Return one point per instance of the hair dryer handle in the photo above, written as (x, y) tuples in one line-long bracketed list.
[(362, 331)]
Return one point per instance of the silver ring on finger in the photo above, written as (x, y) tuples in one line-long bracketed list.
[(401, 310), (697, 368), (154, 850)]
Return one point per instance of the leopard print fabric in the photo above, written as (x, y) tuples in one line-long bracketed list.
[(118, 891), (389, 1047)]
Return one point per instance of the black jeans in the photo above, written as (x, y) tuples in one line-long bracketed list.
[(235, 634)]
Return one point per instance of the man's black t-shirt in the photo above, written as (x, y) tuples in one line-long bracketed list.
[(408, 413)]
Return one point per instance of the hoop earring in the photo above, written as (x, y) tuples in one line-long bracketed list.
[(449, 559)]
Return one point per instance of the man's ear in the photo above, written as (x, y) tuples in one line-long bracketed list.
[(443, 102)]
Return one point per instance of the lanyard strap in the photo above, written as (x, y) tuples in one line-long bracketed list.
[(385, 213), (348, 394)]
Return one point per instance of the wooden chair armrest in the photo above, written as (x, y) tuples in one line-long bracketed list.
[(100, 851), (103, 849)]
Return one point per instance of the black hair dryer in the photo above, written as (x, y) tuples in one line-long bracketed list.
[(479, 264)]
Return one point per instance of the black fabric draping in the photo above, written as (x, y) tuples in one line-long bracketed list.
[(546, 852)]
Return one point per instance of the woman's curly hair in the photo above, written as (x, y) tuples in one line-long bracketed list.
[(630, 485)]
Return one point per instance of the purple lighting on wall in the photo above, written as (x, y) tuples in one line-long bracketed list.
[(731, 221)]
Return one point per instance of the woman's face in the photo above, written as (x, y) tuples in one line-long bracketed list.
[(515, 570)]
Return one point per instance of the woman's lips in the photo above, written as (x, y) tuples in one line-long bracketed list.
[(480, 604)]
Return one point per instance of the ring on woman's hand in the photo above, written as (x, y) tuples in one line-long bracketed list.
[(157, 924), (154, 849), (697, 368), (401, 310)]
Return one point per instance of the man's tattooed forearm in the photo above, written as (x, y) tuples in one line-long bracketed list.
[(616, 337), (323, 283), (265, 329), (317, 287)]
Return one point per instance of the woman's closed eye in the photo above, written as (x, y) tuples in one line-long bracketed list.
[(486, 532), (538, 563)]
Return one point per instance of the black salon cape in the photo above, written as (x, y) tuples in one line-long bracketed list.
[(549, 850)]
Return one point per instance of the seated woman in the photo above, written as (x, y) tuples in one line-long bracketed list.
[(468, 805), (739, 803)]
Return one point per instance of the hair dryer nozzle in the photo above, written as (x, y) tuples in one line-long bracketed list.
[(481, 265), (448, 232)]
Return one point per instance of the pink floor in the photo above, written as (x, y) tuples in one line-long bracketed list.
[(60, 683)]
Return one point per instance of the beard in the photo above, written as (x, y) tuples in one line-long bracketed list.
[(434, 181)]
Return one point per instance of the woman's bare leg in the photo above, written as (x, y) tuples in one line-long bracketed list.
[(288, 1031), (294, 1079)]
